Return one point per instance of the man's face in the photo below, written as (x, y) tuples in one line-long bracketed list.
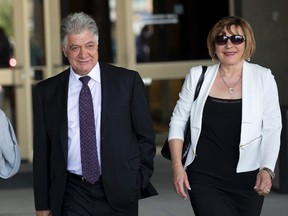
[(82, 51)]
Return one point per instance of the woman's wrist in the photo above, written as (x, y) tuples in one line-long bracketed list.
[(269, 171)]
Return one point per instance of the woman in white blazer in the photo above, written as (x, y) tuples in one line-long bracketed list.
[(235, 128), (9, 151)]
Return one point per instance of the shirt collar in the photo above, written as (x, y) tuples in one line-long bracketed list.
[(94, 74)]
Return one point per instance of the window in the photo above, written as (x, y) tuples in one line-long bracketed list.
[(174, 30)]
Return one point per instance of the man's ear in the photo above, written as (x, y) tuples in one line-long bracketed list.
[(64, 51)]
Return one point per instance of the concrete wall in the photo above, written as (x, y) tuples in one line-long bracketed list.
[(269, 20)]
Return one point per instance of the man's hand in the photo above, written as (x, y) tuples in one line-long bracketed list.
[(44, 213)]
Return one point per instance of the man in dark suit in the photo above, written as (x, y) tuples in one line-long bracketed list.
[(123, 132)]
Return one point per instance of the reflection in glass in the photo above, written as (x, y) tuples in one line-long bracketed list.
[(174, 30), (103, 11), (6, 33), (37, 37), (142, 45), (5, 49), (7, 93), (113, 18)]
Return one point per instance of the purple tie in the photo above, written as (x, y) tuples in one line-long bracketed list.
[(89, 156)]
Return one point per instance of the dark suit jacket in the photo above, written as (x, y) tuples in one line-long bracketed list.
[(127, 139)]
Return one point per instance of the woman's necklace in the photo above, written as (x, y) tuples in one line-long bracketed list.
[(231, 90)]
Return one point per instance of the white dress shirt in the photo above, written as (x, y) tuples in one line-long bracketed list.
[(75, 85)]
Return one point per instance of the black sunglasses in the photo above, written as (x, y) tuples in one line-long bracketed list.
[(235, 39)]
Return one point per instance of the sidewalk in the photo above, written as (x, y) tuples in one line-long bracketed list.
[(17, 198)]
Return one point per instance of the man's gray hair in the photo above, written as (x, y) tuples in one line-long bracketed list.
[(76, 23)]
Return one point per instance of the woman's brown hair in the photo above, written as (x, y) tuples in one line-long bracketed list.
[(226, 23)]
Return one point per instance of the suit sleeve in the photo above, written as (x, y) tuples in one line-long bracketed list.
[(143, 128), (41, 149)]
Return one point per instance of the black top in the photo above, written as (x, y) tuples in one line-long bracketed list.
[(217, 151)]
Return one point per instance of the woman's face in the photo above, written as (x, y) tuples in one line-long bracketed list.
[(232, 52)]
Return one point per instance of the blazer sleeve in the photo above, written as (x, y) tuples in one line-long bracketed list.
[(272, 123), (9, 150)]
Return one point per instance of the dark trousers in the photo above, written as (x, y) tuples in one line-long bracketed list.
[(208, 200), (85, 199)]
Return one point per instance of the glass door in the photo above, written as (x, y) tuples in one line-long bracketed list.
[(160, 39), (37, 51)]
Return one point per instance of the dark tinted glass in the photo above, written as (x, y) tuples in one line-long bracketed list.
[(174, 30)]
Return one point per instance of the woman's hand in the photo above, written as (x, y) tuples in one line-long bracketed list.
[(263, 183), (180, 180)]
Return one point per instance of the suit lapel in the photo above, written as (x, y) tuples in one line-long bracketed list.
[(104, 74), (62, 97), (248, 94)]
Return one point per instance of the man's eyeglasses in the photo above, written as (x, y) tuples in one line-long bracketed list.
[(223, 39)]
